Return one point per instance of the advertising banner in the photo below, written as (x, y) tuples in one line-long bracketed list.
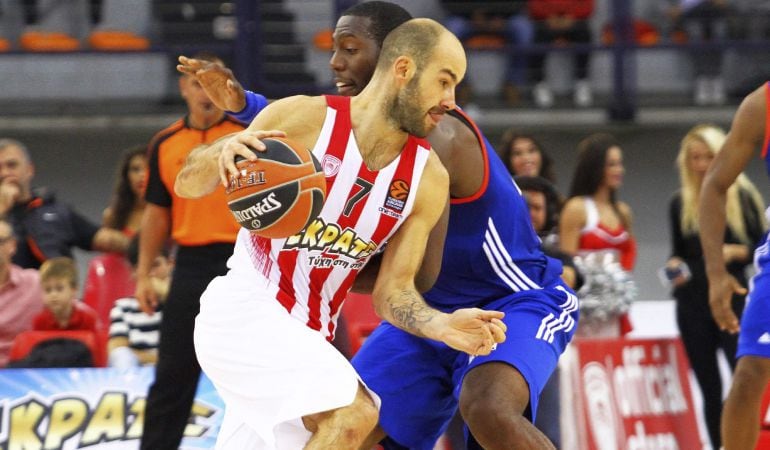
[(625, 394), (100, 408)]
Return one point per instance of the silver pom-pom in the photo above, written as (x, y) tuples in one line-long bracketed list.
[(608, 290)]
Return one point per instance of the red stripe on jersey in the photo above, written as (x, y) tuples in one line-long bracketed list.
[(767, 121), (261, 256), (338, 298), (341, 132), (287, 261), (338, 142), (405, 170), (319, 276), (484, 150)]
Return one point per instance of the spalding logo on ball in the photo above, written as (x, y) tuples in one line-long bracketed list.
[(277, 195)]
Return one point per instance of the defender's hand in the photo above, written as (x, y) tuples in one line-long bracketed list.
[(721, 290), (241, 145), (218, 82)]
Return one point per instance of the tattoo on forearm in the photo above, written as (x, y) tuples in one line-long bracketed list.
[(409, 311)]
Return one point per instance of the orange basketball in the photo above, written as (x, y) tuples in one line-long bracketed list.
[(277, 195)]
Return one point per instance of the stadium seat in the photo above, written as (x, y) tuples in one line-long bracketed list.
[(48, 41), (117, 41), (108, 278), (360, 319), (24, 342)]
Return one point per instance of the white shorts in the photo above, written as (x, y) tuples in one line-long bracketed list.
[(269, 368)]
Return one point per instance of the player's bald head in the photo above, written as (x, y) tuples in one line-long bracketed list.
[(418, 39)]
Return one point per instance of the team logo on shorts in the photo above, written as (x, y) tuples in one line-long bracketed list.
[(397, 195), (331, 165)]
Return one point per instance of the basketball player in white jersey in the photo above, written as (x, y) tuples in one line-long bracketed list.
[(263, 332)]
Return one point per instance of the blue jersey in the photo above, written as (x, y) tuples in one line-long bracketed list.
[(491, 249), (754, 338)]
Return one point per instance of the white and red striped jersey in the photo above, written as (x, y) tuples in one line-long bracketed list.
[(315, 269)]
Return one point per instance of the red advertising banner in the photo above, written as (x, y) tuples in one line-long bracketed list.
[(629, 395)]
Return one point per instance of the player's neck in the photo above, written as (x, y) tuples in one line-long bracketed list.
[(382, 141)]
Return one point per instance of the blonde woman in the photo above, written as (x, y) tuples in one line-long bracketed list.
[(745, 225)]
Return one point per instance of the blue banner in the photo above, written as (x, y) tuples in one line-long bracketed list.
[(102, 408)]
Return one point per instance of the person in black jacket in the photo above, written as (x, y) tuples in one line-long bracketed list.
[(44, 227), (700, 334)]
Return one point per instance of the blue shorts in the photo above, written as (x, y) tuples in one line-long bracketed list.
[(754, 338), (419, 380)]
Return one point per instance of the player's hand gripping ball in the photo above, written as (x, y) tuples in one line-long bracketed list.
[(277, 195)]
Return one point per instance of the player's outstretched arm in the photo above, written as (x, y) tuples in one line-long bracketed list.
[(218, 81), (223, 88), (745, 136), (395, 296), (208, 166)]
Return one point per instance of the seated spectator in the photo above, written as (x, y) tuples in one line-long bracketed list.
[(127, 206), (63, 310), (561, 22), (524, 156), (21, 296), (504, 18), (703, 21), (44, 227), (544, 203), (133, 334)]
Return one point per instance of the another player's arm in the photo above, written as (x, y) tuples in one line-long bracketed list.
[(206, 166), (395, 295), (571, 221), (746, 135)]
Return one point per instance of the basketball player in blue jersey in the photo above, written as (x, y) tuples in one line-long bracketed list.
[(491, 260), (741, 414)]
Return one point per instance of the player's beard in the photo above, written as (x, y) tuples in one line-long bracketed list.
[(404, 110)]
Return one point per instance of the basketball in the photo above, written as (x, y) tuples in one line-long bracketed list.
[(277, 195)]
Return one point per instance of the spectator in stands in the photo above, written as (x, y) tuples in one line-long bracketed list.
[(127, 206), (524, 156), (559, 23), (544, 203), (21, 296), (44, 227), (703, 21), (134, 336), (701, 336), (205, 232), (506, 19), (593, 218), (63, 310)]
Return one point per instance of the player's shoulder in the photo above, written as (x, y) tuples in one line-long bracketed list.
[(435, 169), (295, 112), (308, 104)]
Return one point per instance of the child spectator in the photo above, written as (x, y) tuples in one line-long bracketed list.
[(134, 335), (63, 311)]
